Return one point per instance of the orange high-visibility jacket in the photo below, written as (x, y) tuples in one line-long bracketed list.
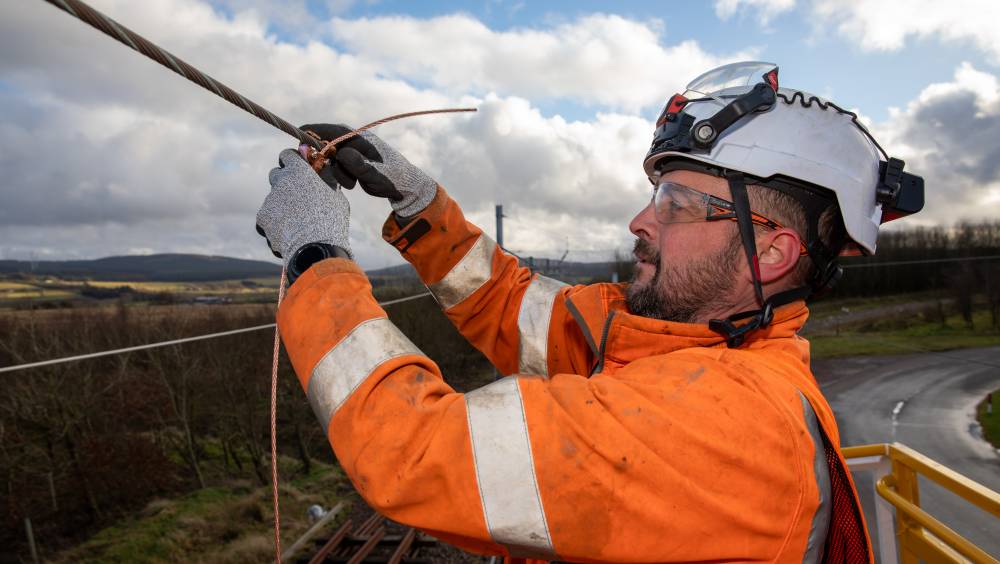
[(616, 438)]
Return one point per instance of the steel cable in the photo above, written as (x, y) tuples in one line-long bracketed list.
[(318, 157), (110, 352)]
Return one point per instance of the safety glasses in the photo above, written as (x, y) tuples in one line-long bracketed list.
[(676, 203)]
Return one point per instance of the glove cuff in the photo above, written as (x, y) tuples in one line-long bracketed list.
[(416, 201)]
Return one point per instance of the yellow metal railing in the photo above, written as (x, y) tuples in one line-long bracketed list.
[(918, 535)]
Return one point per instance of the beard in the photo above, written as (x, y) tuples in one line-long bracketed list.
[(683, 294)]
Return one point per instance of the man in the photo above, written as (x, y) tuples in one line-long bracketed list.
[(673, 419)]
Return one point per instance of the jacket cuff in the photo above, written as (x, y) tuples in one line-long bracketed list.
[(323, 269), (403, 236)]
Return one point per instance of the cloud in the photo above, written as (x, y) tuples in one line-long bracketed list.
[(556, 179), (885, 25), (599, 59), (104, 152), (766, 10), (296, 17), (949, 134)]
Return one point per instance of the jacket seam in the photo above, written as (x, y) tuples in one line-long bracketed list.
[(800, 474), (578, 317), (604, 342)]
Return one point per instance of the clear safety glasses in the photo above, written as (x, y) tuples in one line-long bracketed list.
[(676, 203)]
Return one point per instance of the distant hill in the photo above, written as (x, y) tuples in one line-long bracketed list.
[(561, 270), (153, 268), (204, 268)]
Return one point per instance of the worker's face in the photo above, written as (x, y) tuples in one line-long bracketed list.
[(685, 272)]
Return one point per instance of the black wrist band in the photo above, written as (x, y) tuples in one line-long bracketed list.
[(309, 254)]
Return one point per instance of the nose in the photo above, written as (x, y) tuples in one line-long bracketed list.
[(644, 224)]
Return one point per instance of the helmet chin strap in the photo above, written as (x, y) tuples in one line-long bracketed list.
[(760, 318)]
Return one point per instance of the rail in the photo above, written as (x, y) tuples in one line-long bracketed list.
[(913, 535), (374, 541)]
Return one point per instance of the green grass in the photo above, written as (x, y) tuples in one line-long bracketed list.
[(4, 285), (19, 293), (902, 336), (36, 293), (231, 523), (152, 536), (829, 307), (990, 422)]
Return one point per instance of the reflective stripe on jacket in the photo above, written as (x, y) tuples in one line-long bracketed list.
[(618, 438)]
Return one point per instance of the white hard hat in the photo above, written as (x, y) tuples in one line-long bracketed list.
[(797, 137)]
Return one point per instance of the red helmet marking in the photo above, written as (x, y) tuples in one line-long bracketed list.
[(772, 79)]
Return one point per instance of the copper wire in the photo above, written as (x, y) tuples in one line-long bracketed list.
[(320, 158), (274, 425)]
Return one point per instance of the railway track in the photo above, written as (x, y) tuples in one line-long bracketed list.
[(373, 541)]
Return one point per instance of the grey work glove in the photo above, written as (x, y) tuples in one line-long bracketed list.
[(302, 209), (380, 169)]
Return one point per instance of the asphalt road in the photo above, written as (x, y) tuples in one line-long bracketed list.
[(925, 401)]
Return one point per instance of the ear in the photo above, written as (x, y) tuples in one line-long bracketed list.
[(778, 254)]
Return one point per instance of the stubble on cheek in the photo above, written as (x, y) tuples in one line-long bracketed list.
[(682, 293), (643, 295)]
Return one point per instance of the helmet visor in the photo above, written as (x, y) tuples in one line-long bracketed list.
[(731, 80)]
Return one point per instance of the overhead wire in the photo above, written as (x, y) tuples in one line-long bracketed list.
[(172, 342), (320, 152), (43, 363), (133, 40), (317, 155), (920, 261)]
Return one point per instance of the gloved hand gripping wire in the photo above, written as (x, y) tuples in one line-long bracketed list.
[(316, 151)]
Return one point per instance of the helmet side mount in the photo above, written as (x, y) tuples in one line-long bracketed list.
[(899, 192), (706, 131)]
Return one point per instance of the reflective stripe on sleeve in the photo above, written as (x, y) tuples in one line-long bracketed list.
[(505, 470), (344, 367), (467, 276), (821, 520), (533, 325)]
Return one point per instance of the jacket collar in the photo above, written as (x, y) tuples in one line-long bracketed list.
[(630, 337)]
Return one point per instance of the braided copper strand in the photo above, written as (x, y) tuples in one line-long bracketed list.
[(274, 424), (319, 159), (133, 40), (318, 156)]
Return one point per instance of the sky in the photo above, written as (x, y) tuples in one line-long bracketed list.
[(103, 152)]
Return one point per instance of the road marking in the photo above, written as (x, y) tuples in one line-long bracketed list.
[(895, 417)]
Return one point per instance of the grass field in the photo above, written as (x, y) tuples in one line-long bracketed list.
[(7, 286), (34, 293), (231, 523), (21, 293), (990, 422), (902, 336), (230, 286), (828, 307)]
